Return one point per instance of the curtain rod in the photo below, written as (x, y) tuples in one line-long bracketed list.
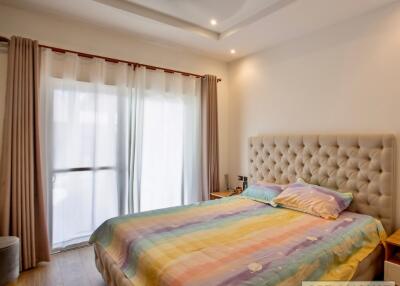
[(113, 60)]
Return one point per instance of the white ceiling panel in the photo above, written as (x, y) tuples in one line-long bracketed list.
[(244, 25)]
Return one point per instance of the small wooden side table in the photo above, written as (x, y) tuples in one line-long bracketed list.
[(218, 195), (392, 258)]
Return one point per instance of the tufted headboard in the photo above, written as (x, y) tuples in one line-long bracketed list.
[(361, 164)]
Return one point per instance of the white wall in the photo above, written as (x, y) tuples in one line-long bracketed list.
[(70, 34), (342, 79)]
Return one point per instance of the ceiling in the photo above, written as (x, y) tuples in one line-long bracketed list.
[(244, 25), (228, 13)]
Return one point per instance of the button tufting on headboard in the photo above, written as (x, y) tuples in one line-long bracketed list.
[(361, 164)]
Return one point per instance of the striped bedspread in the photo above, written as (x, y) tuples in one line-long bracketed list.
[(237, 241)]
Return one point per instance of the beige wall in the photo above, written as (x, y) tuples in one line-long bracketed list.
[(84, 37), (343, 79)]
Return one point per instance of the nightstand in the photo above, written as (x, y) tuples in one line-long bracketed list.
[(218, 195), (392, 258)]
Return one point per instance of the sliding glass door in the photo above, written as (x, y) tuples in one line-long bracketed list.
[(116, 141), (169, 142), (88, 179)]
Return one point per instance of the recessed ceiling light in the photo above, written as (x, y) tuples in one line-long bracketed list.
[(233, 51), (213, 22)]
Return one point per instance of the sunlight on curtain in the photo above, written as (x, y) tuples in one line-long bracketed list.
[(86, 103), (165, 162), (170, 168), (162, 153), (117, 141)]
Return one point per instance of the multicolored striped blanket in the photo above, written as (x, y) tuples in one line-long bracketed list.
[(237, 241)]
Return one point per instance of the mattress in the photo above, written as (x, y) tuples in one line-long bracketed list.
[(233, 241)]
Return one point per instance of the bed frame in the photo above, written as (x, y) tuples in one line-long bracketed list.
[(361, 164)]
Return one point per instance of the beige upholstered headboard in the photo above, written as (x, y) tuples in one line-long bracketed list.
[(361, 164)]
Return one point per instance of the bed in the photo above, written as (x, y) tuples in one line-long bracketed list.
[(237, 241)]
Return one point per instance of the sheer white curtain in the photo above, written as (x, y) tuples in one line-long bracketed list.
[(85, 108), (116, 140), (166, 168)]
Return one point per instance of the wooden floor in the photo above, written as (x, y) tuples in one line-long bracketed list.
[(70, 268)]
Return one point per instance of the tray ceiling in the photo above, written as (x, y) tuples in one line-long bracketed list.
[(244, 25), (227, 13)]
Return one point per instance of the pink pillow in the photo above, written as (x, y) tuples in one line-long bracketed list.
[(314, 200)]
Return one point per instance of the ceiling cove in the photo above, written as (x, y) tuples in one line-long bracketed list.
[(170, 15)]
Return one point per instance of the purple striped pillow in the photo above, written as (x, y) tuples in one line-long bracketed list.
[(315, 200)]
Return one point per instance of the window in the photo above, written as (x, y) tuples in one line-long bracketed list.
[(85, 172), (161, 183), (117, 140)]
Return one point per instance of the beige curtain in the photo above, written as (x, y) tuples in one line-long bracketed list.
[(22, 210), (209, 134)]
